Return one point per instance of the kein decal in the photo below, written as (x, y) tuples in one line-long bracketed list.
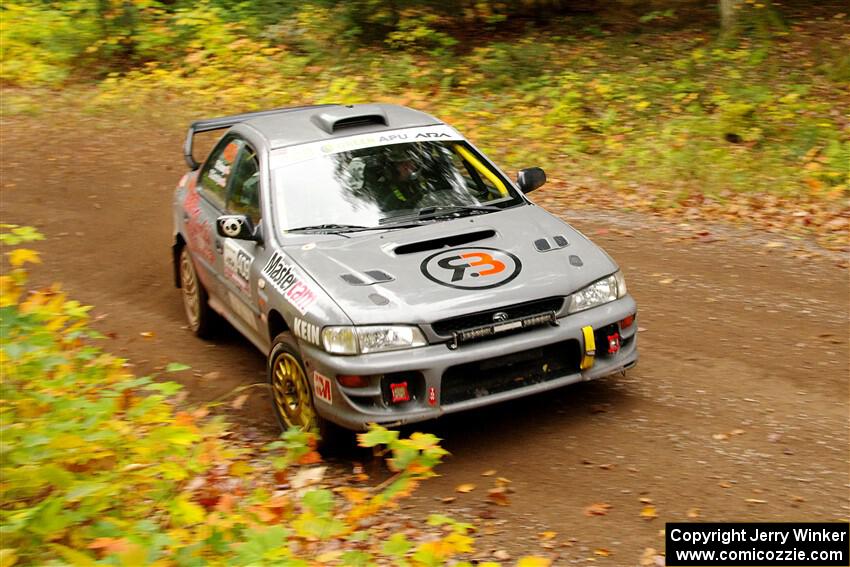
[(471, 268), (322, 388), (283, 277), (307, 331)]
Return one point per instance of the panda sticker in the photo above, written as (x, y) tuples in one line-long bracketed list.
[(231, 226)]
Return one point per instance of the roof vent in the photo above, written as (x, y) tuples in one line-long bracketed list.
[(338, 118)]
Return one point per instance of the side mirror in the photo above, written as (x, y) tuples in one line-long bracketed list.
[(530, 179), (236, 226)]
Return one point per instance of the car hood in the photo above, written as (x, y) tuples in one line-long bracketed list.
[(397, 276)]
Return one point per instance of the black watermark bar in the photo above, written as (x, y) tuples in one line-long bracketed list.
[(763, 544)]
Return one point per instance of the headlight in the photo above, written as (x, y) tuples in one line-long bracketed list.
[(598, 293), (362, 340)]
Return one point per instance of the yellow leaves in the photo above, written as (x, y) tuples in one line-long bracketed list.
[(20, 256), (10, 291), (8, 557), (72, 556), (240, 469), (465, 488), (184, 512), (649, 512), (67, 441), (533, 561)]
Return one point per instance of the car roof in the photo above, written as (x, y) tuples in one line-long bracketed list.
[(315, 123)]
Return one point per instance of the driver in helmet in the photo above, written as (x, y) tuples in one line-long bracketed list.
[(402, 184)]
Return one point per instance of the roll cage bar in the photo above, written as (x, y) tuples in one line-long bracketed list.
[(210, 124)]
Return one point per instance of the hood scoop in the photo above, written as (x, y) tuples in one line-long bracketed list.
[(369, 277), (444, 242)]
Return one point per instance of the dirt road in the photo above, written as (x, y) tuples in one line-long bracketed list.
[(738, 409)]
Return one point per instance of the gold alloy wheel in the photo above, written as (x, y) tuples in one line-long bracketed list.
[(191, 290), (292, 393)]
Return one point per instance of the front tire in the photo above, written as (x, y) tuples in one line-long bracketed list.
[(292, 394), (201, 318)]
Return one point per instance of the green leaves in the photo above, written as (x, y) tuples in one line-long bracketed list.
[(12, 234)]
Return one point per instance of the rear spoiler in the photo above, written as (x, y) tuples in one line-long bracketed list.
[(226, 122)]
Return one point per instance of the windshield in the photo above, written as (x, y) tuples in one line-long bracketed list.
[(369, 186)]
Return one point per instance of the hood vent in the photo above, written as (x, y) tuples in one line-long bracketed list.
[(368, 277), (543, 244), (444, 242)]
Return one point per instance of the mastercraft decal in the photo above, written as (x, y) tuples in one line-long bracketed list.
[(282, 275), (471, 268), (237, 265)]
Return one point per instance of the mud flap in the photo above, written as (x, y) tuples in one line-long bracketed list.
[(589, 348)]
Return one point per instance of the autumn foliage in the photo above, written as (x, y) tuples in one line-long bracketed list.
[(100, 466), (639, 111)]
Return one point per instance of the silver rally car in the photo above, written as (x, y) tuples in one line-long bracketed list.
[(389, 270)]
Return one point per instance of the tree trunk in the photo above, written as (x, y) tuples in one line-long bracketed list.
[(729, 17)]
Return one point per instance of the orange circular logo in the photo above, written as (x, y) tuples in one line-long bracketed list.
[(471, 268)]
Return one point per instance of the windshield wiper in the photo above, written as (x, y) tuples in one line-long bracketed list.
[(436, 212), (333, 228)]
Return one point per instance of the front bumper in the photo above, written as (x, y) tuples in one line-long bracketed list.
[(355, 408)]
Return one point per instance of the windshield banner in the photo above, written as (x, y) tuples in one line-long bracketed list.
[(294, 154)]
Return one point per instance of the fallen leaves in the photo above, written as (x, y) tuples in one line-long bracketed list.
[(239, 401), (498, 496), (649, 513), (465, 488), (597, 509)]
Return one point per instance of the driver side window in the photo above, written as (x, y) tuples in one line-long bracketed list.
[(218, 169), (244, 197)]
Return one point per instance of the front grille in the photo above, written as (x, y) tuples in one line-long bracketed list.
[(446, 327), (488, 377)]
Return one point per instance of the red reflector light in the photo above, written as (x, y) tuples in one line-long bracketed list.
[(627, 322), (613, 343), (350, 381), (399, 392)]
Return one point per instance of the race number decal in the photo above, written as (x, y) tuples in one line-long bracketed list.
[(471, 268), (322, 388)]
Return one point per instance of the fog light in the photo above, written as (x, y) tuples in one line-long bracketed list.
[(399, 392), (351, 381), (627, 322)]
